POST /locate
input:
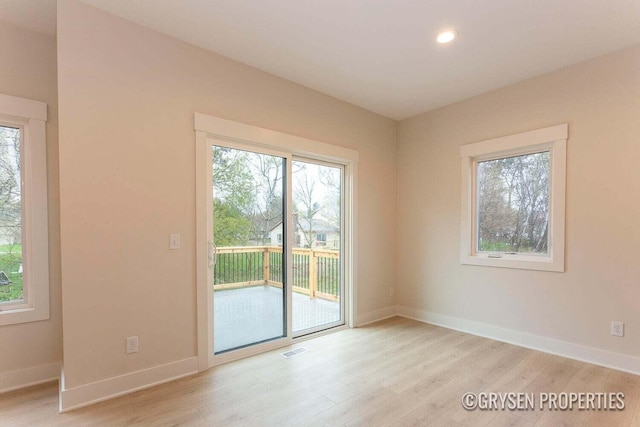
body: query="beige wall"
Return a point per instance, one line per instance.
(600, 100)
(28, 70)
(127, 97)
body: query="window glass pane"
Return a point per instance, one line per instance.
(10, 216)
(513, 204)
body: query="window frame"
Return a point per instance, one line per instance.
(30, 117)
(552, 139)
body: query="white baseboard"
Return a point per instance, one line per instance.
(374, 316)
(88, 394)
(596, 356)
(21, 378)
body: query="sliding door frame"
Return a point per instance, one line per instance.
(210, 131)
(344, 299)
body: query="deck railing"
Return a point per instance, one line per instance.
(316, 272)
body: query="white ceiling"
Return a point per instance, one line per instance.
(381, 54)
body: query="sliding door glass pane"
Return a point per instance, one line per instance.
(249, 234)
(317, 268)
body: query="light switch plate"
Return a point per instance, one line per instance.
(174, 241)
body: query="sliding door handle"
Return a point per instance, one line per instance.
(212, 254)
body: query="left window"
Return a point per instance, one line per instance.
(24, 258)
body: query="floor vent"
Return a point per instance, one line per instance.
(294, 352)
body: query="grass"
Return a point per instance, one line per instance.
(495, 247)
(507, 248)
(11, 248)
(11, 292)
(10, 261)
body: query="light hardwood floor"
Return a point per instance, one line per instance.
(396, 372)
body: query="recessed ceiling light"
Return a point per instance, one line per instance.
(446, 36)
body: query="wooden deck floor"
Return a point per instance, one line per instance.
(247, 315)
(397, 372)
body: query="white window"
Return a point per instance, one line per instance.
(24, 257)
(321, 239)
(513, 200)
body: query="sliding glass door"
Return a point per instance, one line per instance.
(249, 229)
(271, 245)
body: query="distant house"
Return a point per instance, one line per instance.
(317, 233)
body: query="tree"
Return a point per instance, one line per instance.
(10, 192)
(495, 214)
(268, 204)
(305, 207)
(233, 197)
(513, 203)
(10, 212)
(232, 178)
(330, 178)
(231, 227)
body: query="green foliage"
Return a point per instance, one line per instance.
(239, 267)
(494, 247)
(233, 181)
(12, 292)
(10, 261)
(233, 198)
(246, 185)
(231, 227)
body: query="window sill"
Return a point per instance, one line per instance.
(523, 262)
(15, 315)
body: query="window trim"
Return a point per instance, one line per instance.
(30, 116)
(552, 139)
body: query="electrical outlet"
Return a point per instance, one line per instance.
(132, 345)
(391, 292)
(617, 328)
